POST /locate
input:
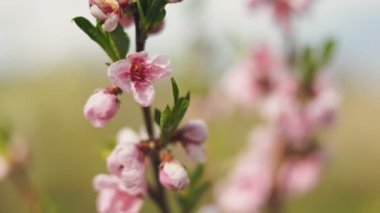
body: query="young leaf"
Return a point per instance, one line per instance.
(157, 116)
(196, 175)
(175, 90)
(95, 34)
(155, 12)
(328, 51)
(119, 41)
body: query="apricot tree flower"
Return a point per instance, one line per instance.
(127, 161)
(114, 197)
(101, 107)
(137, 73)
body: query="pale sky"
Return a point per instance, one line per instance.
(40, 32)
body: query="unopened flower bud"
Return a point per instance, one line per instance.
(192, 136)
(100, 108)
(173, 176)
(107, 11)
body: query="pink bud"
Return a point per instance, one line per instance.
(108, 11)
(173, 176)
(137, 73)
(127, 161)
(192, 136)
(114, 197)
(194, 131)
(100, 108)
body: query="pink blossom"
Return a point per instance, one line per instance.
(107, 11)
(283, 9)
(127, 162)
(299, 175)
(250, 81)
(173, 175)
(248, 186)
(192, 136)
(290, 118)
(137, 73)
(323, 106)
(4, 168)
(100, 108)
(114, 197)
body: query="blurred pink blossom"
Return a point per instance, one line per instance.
(127, 161)
(251, 80)
(323, 107)
(137, 73)
(299, 175)
(283, 9)
(299, 119)
(100, 108)
(114, 197)
(192, 137)
(248, 186)
(173, 175)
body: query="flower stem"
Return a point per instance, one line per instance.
(157, 194)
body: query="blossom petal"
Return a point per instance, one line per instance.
(127, 136)
(143, 93)
(111, 22)
(119, 74)
(98, 13)
(161, 67)
(196, 152)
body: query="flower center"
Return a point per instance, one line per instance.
(138, 71)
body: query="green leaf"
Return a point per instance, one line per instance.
(155, 13)
(196, 175)
(119, 41)
(175, 90)
(165, 118)
(115, 43)
(109, 48)
(328, 51)
(197, 194)
(95, 34)
(157, 116)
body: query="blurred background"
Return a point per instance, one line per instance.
(48, 68)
